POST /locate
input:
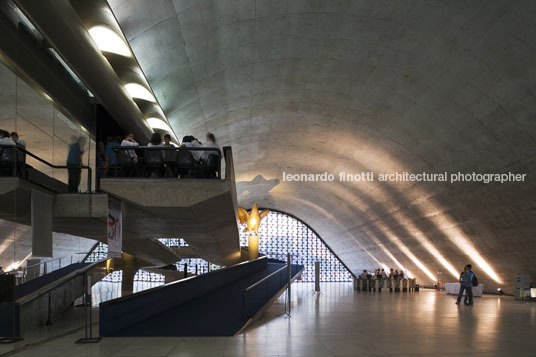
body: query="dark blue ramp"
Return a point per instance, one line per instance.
(11, 312)
(218, 311)
(37, 283)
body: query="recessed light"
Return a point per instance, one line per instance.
(138, 91)
(108, 40)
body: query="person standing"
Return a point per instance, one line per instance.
(466, 284)
(384, 274)
(111, 156)
(1, 270)
(74, 163)
(210, 143)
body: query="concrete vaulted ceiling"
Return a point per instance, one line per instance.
(352, 86)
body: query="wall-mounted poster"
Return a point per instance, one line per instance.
(115, 228)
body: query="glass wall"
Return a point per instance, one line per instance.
(280, 234)
(45, 130)
(42, 126)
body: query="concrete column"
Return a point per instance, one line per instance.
(130, 267)
(34, 269)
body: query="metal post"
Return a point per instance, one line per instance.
(88, 179)
(317, 276)
(196, 272)
(289, 277)
(49, 320)
(185, 270)
(87, 310)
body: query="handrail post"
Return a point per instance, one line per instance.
(49, 320)
(219, 165)
(289, 275)
(89, 174)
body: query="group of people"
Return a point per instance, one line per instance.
(467, 281)
(382, 274)
(11, 139)
(107, 156)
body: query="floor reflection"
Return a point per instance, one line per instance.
(335, 322)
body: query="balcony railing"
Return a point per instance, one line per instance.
(167, 162)
(13, 163)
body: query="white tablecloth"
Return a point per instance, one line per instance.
(454, 288)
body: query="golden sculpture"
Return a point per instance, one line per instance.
(253, 220)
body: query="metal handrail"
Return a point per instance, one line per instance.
(263, 279)
(62, 281)
(46, 263)
(17, 147)
(170, 148)
(246, 290)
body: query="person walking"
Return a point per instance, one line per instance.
(74, 163)
(466, 284)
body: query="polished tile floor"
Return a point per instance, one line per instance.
(341, 322)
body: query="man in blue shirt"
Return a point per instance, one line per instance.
(74, 163)
(466, 283)
(111, 155)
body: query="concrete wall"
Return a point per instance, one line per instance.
(16, 245)
(351, 86)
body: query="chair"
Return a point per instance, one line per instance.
(8, 161)
(210, 167)
(186, 164)
(153, 160)
(170, 162)
(125, 163)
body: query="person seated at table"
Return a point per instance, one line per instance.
(15, 137)
(130, 140)
(190, 141)
(156, 140)
(167, 141)
(5, 139)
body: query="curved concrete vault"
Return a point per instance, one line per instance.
(351, 86)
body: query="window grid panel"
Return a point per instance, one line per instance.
(279, 234)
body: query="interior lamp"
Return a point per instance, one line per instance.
(108, 40)
(253, 221)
